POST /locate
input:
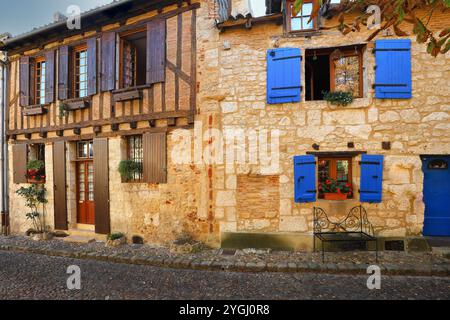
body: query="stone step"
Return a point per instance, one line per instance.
(79, 239)
(82, 233)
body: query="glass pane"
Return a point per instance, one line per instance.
(342, 167)
(296, 24)
(91, 149)
(307, 9)
(306, 25)
(347, 75)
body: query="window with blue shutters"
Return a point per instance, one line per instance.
(393, 79)
(371, 188)
(305, 179)
(283, 75)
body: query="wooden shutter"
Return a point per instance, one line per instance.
(92, 66)
(63, 73)
(24, 81)
(393, 78)
(305, 179)
(155, 158)
(50, 77)
(108, 79)
(156, 51)
(101, 186)
(59, 178)
(283, 75)
(371, 188)
(19, 163)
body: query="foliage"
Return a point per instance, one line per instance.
(339, 98)
(393, 14)
(35, 197)
(35, 165)
(36, 170)
(128, 169)
(332, 186)
(62, 109)
(115, 236)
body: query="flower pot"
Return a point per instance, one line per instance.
(335, 196)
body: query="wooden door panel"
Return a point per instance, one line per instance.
(85, 195)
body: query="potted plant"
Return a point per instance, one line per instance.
(36, 171)
(339, 98)
(35, 199)
(128, 170)
(116, 239)
(334, 190)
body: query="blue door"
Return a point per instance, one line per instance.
(436, 195)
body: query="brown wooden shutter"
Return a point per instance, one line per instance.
(156, 51)
(24, 81)
(108, 79)
(155, 158)
(59, 178)
(92, 66)
(19, 163)
(50, 76)
(63, 73)
(101, 186)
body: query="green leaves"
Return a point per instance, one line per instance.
(339, 98)
(297, 7)
(128, 169)
(447, 3)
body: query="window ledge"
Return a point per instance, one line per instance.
(77, 103)
(133, 93)
(358, 103)
(34, 110)
(303, 34)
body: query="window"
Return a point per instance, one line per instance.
(333, 69)
(338, 169)
(80, 82)
(135, 153)
(36, 163)
(85, 150)
(301, 22)
(133, 59)
(39, 76)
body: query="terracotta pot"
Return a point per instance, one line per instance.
(34, 181)
(335, 196)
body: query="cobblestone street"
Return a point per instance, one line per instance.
(30, 276)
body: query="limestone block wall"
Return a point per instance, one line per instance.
(414, 127)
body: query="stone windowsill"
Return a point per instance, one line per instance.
(358, 103)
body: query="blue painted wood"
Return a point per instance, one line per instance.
(283, 75)
(436, 196)
(305, 179)
(393, 78)
(371, 189)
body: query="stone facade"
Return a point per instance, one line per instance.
(206, 199)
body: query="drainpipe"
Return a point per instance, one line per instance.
(4, 148)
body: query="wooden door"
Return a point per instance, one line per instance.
(85, 192)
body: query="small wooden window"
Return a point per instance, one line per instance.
(85, 150)
(301, 22)
(80, 80)
(339, 169)
(39, 82)
(334, 69)
(133, 59)
(135, 152)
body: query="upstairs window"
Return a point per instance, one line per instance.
(39, 76)
(333, 69)
(80, 81)
(301, 21)
(133, 59)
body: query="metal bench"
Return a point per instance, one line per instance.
(354, 228)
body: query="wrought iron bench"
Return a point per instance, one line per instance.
(354, 228)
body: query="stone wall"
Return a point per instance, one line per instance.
(414, 127)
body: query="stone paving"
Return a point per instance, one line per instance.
(249, 260)
(32, 276)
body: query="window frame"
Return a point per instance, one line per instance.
(289, 18)
(346, 52)
(90, 147)
(134, 157)
(333, 171)
(40, 156)
(74, 71)
(122, 37)
(38, 61)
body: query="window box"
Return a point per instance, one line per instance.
(34, 110)
(77, 104)
(335, 196)
(128, 95)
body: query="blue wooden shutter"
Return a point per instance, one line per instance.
(305, 179)
(283, 75)
(371, 188)
(393, 69)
